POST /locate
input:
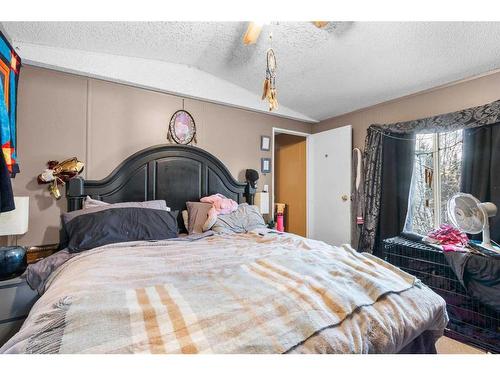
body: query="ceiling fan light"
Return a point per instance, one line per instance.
(252, 33)
(320, 24)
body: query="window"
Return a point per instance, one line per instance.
(436, 178)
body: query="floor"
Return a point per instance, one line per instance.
(445, 345)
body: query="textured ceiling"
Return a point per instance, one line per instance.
(321, 72)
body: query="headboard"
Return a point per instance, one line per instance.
(175, 173)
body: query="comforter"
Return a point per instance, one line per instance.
(255, 292)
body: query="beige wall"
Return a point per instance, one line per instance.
(62, 115)
(451, 98)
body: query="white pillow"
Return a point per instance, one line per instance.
(89, 202)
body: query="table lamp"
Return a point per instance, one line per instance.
(13, 223)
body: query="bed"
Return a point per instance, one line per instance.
(252, 292)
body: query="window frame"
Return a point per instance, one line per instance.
(436, 180)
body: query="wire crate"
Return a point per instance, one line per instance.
(471, 321)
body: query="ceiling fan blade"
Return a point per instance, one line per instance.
(320, 24)
(252, 33)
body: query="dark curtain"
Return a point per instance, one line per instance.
(398, 155)
(6, 196)
(372, 186)
(481, 169)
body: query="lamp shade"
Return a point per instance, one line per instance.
(15, 222)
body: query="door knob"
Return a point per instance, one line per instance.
(345, 197)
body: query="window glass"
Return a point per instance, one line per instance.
(436, 178)
(450, 154)
(422, 198)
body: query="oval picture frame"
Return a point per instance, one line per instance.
(182, 128)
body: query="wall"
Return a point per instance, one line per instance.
(450, 98)
(62, 115)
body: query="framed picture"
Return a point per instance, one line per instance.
(182, 129)
(265, 143)
(265, 165)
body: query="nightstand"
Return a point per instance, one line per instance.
(16, 300)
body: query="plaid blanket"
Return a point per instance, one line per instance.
(245, 293)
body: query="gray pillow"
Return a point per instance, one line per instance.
(155, 205)
(68, 216)
(122, 224)
(197, 215)
(244, 219)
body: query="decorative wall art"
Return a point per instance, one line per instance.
(265, 165)
(59, 173)
(265, 143)
(10, 65)
(182, 128)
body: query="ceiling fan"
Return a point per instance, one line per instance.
(254, 28)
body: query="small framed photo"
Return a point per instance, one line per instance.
(265, 165)
(265, 143)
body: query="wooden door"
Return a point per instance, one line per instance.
(290, 159)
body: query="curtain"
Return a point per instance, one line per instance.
(372, 187)
(398, 155)
(488, 114)
(481, 169)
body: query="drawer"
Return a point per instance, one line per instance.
(16, 301)
(9, 329)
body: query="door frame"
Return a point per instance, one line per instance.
(273, 183)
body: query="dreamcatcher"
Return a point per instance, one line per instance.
(182, 128)
(269, 91)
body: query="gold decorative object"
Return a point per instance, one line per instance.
(269, 92)
(59, 173)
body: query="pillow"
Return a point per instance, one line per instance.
(197, 216)
(124, 224)
(88, 202)
(244, 219)
(68, 216)
(155, 205)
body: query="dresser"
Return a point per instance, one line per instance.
(16, 300)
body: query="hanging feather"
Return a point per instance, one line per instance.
(269, 91)
(265, 89)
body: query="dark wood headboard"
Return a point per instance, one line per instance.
(175, 173)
